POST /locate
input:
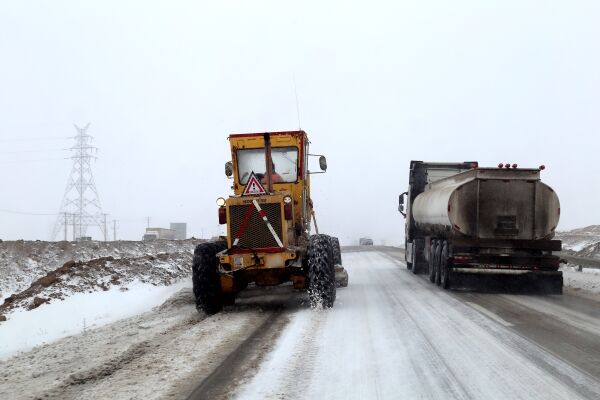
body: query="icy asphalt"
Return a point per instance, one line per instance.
(391, 335)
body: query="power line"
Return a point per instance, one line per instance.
(25, 213)
(32, 161)
(33, 138)
(30, 151)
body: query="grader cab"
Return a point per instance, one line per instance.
(268, 219)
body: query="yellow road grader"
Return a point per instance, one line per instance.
(268, 220)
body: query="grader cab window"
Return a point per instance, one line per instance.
(285, 162)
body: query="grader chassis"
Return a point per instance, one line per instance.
(268, 220)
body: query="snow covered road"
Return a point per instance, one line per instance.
(394, 335)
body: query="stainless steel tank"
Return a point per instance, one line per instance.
(489, 203)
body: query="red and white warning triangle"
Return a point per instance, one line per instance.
(253, 187)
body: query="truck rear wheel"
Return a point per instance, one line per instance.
(321, 272)
(409, 264)
(205, 277)
(444, 270)
(432, 248)
(438, 262)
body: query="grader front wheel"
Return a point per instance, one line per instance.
(205, 277)
(321, 272)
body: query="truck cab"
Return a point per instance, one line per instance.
(420, 175)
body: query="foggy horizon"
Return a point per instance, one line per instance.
(378, 85)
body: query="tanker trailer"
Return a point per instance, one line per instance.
(462, 219)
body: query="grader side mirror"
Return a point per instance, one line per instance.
(323, 163)
(229, 169)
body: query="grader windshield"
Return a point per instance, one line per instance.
(285, 163)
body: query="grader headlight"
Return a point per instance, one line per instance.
(220, 202)
(287, 200)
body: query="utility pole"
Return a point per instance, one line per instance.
(81, 199)
(105, 232)
(114, 230)
(65, 226)
(73, 221)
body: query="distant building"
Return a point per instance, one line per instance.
(159, 233)
(180, 229)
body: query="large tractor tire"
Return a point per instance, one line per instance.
(321, 272)
(341, 275)
(337, 251)
(205, 278)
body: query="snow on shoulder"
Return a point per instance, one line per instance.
(79, 313)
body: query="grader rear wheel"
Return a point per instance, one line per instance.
(337, 251)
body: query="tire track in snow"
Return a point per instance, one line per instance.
(516, 356)
(393, 335)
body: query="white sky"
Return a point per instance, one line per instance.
(379, 84)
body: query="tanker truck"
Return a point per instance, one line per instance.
(463, 219)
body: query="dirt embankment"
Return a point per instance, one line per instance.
(23, 262)
(129, 261)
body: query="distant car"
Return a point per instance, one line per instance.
(365, 242)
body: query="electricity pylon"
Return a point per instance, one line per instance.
(80, 207)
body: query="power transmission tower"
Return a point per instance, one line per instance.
(81, 202)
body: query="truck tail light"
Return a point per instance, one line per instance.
(287, 211)
(461, 259)
(222, 215)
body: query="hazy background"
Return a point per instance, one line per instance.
(379, 84)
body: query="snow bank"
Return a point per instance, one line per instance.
(585, 283)
(78, 313)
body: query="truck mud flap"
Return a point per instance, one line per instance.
(507, 281)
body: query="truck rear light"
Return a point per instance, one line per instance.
(542, 167)
(287, 211)
(514, 165)
(500, 165)
(474, 165)
(507, 165)
(222, 215)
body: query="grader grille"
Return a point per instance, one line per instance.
(256, 235)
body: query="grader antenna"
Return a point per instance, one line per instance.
(269, 161)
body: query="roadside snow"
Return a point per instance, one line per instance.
(78, 313)
(159, 354)
(585, 283)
